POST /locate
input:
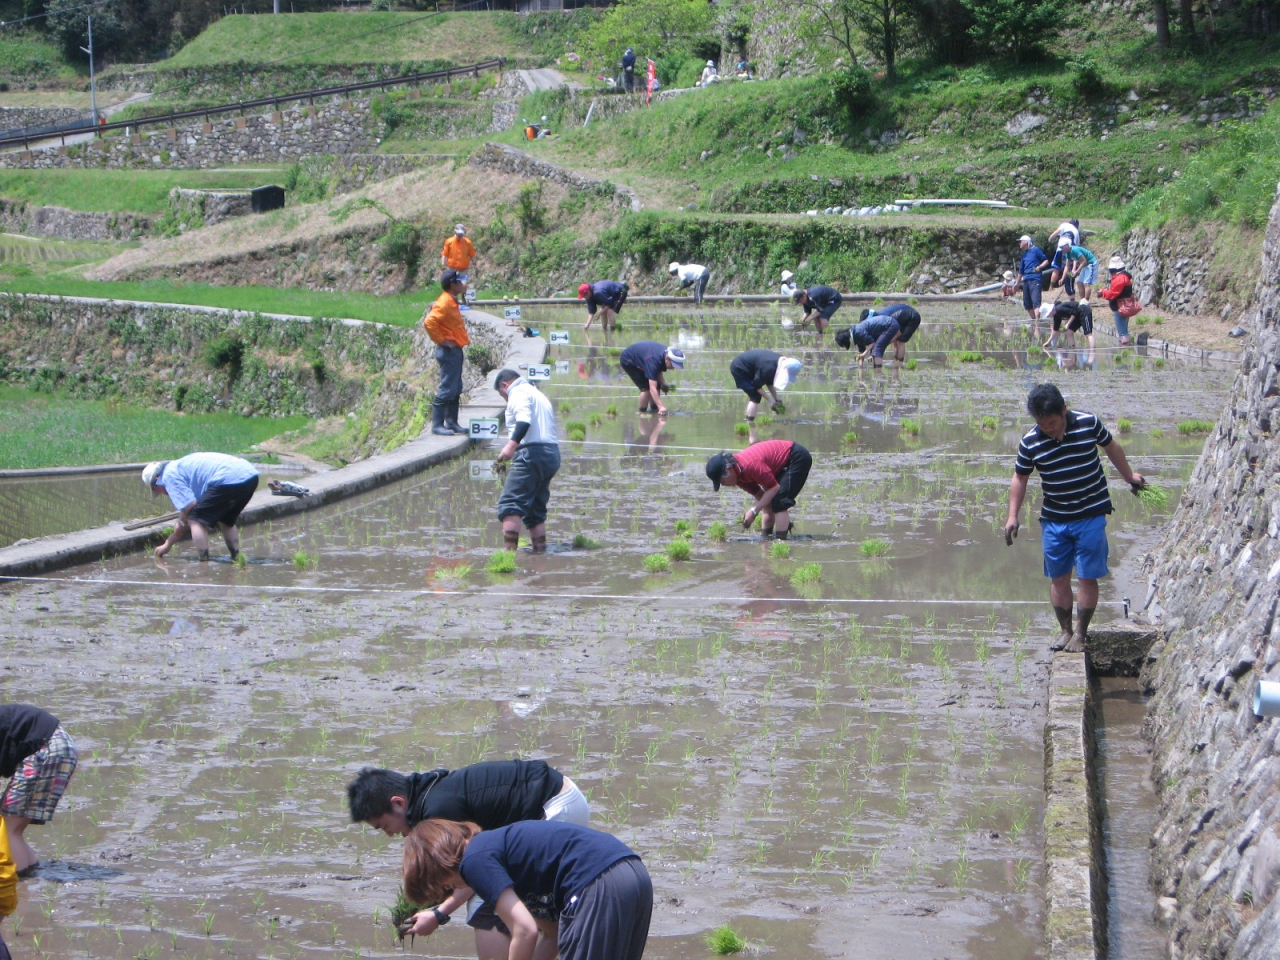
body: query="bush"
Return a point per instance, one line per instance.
(402, 243)
(228, 351)
(1086, 78)
(854, 92)
(482, 358)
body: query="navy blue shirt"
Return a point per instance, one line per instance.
(606, 293)
(825, 300)
(628, 61)
(546, 862)
(901, 312)
(756, 367)
(646, 355)
(1075, 488)
(1030, 260)
(871, 330)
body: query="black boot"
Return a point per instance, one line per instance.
(437, 420)
(451, 418)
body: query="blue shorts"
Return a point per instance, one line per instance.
(1089, 273)
(1079, 544)
(1031, 292)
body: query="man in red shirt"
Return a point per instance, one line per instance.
(772, 471)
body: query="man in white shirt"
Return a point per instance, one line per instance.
(534, 451)
(691, 275)
(1069, 229)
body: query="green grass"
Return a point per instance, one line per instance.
(404, 310)
(23, 252)
(119, 191)
(343, 39)
(910, 427)
(724, 940)
(502, 561)
(1124, 425)
(684, 528)
(718, 531)
(28, 55)
(305, 561)
(874, 547)
(582, 542)
(850, 439)
(1153, 497)
(679, 549)
(43, 430)
(781, 550)
(1191, 428)
(807, 573)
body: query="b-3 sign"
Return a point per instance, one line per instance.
(539, 371)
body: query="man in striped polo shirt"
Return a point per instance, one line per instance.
(1063, 446)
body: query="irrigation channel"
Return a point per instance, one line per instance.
(839, 762)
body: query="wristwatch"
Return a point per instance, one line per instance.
(441, 917)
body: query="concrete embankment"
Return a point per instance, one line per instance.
(86, 546)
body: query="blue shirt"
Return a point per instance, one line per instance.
(825, 300)
(1032, 257)
(646, 355)
(1080, 253)
(606, 293)
(1075, 488)
(189, 479)
(546, 862)
(877, 327)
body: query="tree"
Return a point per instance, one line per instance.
(667, 28)
(1016, 28)
(881, 23)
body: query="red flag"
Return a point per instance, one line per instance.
(653, 78)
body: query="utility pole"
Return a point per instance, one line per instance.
(93, 83)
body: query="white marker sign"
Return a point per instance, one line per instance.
(513, 313)
(562, 366)
(481, 470)
(471, 296)
(483, 428)
(539, 371)
(560, 336)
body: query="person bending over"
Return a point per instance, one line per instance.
(772, 471)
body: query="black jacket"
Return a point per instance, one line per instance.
(24, 729)
(494, 794)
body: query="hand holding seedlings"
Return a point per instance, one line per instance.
(501, 466)
(1010, 532)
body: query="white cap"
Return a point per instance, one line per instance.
(673, 267)
(787, 275)
(1046, 311)
(459, 229)
(1024, 239)
(1084, 303)
(788, 370)
(1064, 242)
(152, 471)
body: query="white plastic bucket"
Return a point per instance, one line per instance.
(1266, 699)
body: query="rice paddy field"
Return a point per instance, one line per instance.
(832, 745)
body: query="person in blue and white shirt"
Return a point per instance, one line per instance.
(533, 448)
(207, 490)
(1063, 446)
(691, 275)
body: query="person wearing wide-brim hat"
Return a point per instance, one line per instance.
(208, 490)
(646, 363)
(757, 370)
(1121, 286)
(788, 287)
(772, 471)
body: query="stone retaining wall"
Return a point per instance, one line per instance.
(207, 207)
(508, 159)
(1194, 272)
(18, 118)
(335, 126)
(1216, 850)
(63, 224)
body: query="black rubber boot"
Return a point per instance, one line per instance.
(451, 418)
(437, 420)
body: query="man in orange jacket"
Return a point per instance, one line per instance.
(458, 251)
(443, 323)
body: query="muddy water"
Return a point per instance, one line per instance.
(845, 767)
(1130, 815)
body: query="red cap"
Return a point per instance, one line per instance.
(584, 290)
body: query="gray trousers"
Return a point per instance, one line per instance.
(450, 361)
(609, 918)
(527, 489)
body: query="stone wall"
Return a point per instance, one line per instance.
(508, 159)
(63, 224)
(19, 118)
(204, 208)
(1195, 272)
(1216, 851)
(333, 125)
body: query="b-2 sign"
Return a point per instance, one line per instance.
(483, 428)
(512, 313)
(539, 371)
(560, 336)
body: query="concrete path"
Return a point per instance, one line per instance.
(545, 78)
(87, 546)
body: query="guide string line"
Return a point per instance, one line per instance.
(530, 595)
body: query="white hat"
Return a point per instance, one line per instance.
(1064, 242)
(1009, 277)
(1115, 263)
(1084, 303)
(152, 472)
(1046, 311)
(459, 229)
(1024, 239)
(788, 370)
(673, 267)
(676, 357)
(787, 275)
(711, 63)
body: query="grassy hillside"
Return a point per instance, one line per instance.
(368, 37)
(28, 57)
